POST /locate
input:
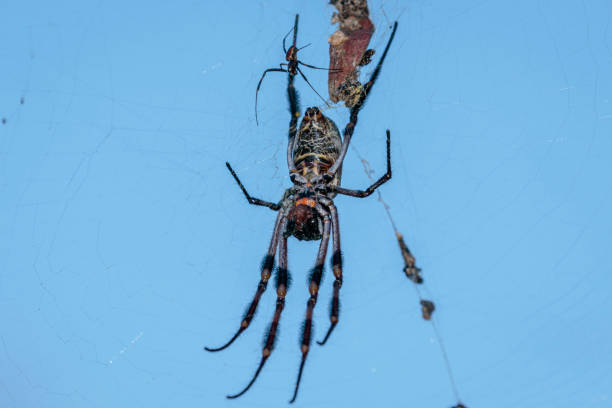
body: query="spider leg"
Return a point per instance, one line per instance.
(313, 67)
(385, 177)
(281, 292)
(336, 262)
(309, 84)
(259, 85)
(313, 288)
(294, 29)
(294, 111)
(350, 127)
(252, 200)
(266, 270)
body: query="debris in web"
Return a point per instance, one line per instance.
(427, 308)
(348, 50)
(414, 274)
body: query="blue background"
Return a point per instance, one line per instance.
(125, 246)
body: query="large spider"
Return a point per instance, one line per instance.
(315, 154)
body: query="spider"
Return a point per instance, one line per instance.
(315, 154)
(292, 65)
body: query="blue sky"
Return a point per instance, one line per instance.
(125, 245)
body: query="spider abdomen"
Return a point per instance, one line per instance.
(317, 145)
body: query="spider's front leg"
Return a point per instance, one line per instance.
(266, 270)
(313, 288)
(282, 284)
(336, 261)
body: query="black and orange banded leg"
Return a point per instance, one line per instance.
(266, 270)
(336, 262)
(313, 288)
(281, 292)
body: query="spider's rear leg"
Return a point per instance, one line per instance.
(313, 288)
(266, 270)
(282, 284)
(336, 262)
(350, 127)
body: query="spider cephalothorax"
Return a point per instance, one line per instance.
(315, 154)
(303, 222)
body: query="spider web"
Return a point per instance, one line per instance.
(125, 245)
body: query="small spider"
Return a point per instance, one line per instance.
(315, 154)
(292, 65)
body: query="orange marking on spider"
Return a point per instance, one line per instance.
(306, 201)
